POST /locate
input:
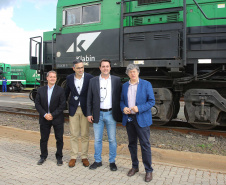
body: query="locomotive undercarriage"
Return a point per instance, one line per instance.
(16, 86)
(203, 108)
(203, 95)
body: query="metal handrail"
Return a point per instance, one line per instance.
(205, 14)
(53, 62)
(40, 49)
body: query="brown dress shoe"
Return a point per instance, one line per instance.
(85, 162)
(148, 177)
(132, 172)
(72, 163)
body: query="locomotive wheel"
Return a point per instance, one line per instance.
(222, 118)
(196, 125)
(170, 114)
(33, 94)
(203, 126)
(176, 101)
(63, 84)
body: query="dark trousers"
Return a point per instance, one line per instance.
(4, 88)
(45, 131)
(134, 131)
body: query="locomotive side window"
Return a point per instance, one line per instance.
(81, 15)
(73, 16)
(91, 14)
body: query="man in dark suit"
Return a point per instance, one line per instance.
(77, 87)
(50, 103)
(137, 98)
(103, 108)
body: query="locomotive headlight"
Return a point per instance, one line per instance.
(154, 111)
(204, 61)
(58, 54)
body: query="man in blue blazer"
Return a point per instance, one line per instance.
(137, 98)
(50, 103)
(77, 87)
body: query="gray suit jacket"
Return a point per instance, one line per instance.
(93, 98)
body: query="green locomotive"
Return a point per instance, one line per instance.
(180, 46)
(18, 76)
(30, 75)
(15, 80)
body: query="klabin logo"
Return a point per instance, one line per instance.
(86, 58)
(83, 42)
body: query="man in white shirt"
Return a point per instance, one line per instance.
(103, 108)
(77, 86)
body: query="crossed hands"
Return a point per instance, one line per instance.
(49, 117)
(127, 110)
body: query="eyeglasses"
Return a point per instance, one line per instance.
(103, 93)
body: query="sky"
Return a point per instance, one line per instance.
(20, 20)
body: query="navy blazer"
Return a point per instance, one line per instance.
(56, 107)
(93, 98)
(82, 98)
(145, 100)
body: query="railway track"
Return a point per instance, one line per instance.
(177, 126)
(24, 111)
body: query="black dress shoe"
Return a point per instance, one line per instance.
(148, 177)
(41, 161)
(59, 162)
(113, 167)
(95, 165)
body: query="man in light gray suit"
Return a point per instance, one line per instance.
(103, 108)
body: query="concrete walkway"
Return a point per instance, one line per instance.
(19, 156)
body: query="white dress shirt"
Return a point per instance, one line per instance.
(78, 84)
(105, 93)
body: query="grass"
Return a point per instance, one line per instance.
(205, 146)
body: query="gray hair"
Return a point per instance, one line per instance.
(131, 67)
(51, 72)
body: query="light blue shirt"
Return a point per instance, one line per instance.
(50, 91)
